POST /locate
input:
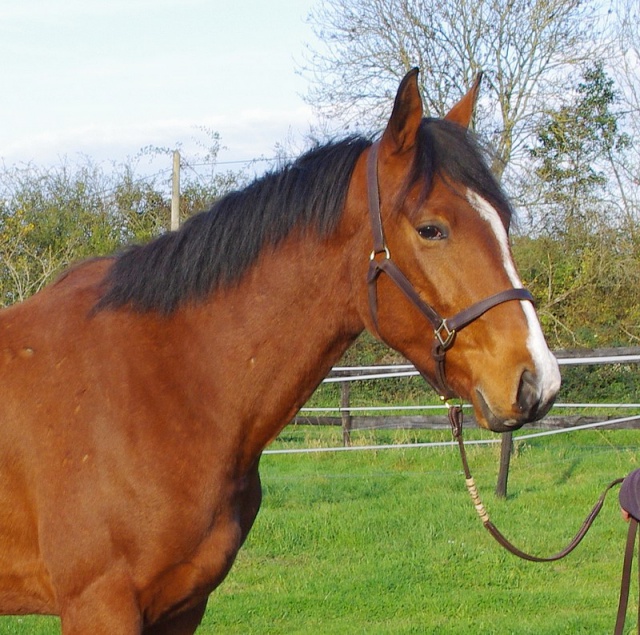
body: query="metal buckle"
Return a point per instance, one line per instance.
(447, 340)
(384, 250)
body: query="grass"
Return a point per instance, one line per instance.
(387, 542)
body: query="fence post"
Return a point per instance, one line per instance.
(346, 413)
(506, 446)
(175, 192)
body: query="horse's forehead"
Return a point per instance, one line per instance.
(446, 196)
(488, 214)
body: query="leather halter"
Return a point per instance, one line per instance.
(444, 329)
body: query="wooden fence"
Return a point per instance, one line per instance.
(350, 421)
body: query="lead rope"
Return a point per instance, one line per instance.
(625, 582)
(455, 419)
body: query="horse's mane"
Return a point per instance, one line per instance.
(215, 248)
(455, 153)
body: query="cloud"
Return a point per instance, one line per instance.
(250, 134)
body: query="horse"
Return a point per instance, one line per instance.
(139, 390)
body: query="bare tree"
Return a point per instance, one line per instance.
(625, 68)
(526, 48)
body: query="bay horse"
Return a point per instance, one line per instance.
(138, 391)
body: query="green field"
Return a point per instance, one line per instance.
(387, 541)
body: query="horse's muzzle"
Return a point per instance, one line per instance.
(530, 405)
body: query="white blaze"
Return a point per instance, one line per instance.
(546, 365)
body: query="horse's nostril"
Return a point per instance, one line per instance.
(528, 398)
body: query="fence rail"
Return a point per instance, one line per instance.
(353, 418)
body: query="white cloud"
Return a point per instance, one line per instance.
(251, 134)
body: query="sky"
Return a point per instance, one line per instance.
(105, 78)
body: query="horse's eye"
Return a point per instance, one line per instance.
(432, 232)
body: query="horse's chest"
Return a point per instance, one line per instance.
(210, 556)
(191, 579)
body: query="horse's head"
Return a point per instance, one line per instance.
(441, 250)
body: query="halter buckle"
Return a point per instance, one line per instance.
(444, 334)
(384, 250)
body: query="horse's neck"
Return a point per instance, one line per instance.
(277, 334)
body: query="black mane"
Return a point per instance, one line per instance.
(452, 151)
(215, 248)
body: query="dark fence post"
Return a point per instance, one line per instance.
(505, 457)
(346, 413)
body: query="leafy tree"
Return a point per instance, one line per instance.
(574, 148)
(48, 219)
(579, 257)
(141, 211)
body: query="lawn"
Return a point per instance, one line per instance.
(387, 541)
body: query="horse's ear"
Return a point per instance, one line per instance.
(462, 112)
(401, 131)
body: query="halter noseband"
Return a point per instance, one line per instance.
(444, 329)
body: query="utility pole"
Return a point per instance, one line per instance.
(175, 192)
